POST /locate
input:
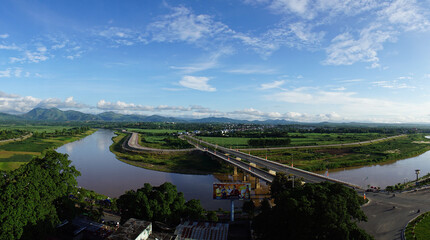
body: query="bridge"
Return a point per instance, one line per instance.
(249, 162)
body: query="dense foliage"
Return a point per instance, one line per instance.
(10, 134)
(63, 132)
(28, 195)
(312, 211)
(161, 203)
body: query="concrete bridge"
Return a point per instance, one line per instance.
(249, 161)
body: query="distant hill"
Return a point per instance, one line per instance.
(4, 117)
(55, 114)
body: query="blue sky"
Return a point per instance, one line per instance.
(299, 60)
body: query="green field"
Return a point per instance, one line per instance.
(194, 162)
(419, 228)
(167, 131)
(160, 142)
(34, 128)
(14, 154)
(314, 159)
(300, 139)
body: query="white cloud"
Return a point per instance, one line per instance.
(135, 108)
(9, 47)
(183, 25)
(346, 50)
(11, 103)
(121, 36)
(5, 35)
(299, 7)
(197, 83)
(351, 106)
(207, 63)
(252, 70)
(5, 73)
(18, 72)
(339, 89)
(9, 72)
(102, 104)
(58, 103)
(398, 83)
(407, 14)
(275, 84)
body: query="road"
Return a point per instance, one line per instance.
(17, 139)
(133, 143)
(386, 223)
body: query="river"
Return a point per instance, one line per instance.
(385, 174)
(102, 172)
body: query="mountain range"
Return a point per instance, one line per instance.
(57, 115)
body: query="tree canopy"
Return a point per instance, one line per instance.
(312, 211)
(28, 194)
(161, 203)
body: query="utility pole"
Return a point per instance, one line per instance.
(417, 172)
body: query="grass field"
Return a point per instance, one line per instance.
(167, 131)
(14, 154)
(181, 162)
(314, 159)
(160, 143)
(300, 139)
(419, 228)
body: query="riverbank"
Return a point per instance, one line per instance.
(194, 162)
(14, 154)
(318, 159)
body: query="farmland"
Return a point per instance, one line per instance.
(14, 154)
(300, 139)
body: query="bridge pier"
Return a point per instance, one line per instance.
(235, 171)
(257, 183)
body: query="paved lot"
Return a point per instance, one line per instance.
(386, 222)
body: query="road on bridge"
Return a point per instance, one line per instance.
(277, 167)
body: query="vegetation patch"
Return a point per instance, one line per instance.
(194, 162)
(419, 228)
(18, 158)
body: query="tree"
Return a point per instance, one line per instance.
(249, 208)
(161, 203)
(313, 211)
(28, 195)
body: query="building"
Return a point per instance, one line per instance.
(201, 230)
(133, 229)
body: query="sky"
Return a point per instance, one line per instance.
(298, 60)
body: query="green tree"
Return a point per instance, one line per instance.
(313, 211)
(28, 195)
(161, 203)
